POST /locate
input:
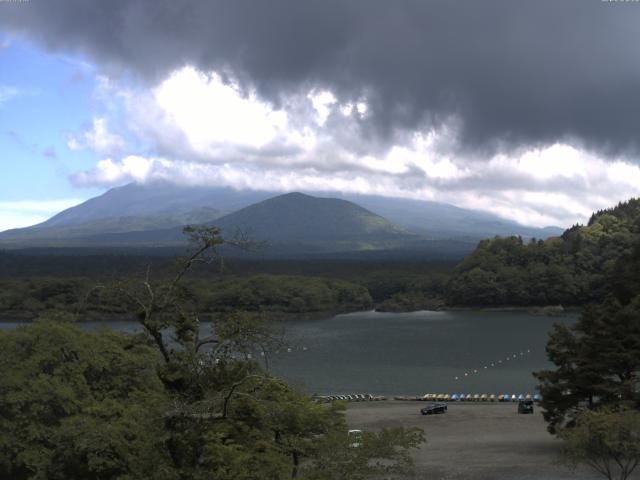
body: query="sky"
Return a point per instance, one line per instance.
(527, 109)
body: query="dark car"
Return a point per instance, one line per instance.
(525, 406)
(434, 408)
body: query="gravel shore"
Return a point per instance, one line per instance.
(479, 441)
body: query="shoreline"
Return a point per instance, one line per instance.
(16, 316)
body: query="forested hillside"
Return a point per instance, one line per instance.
(577, 268)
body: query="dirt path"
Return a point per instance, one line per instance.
(485, 441)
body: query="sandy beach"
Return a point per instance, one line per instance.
(479, 441)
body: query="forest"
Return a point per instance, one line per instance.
(571, 270)
(96, 403)
(35, 282)
(107, 405)
(574, 269)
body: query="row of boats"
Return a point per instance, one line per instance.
(356, 397)
(467, 397)
(435, 397)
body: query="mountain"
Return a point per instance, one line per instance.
(156, 200)
(442, 220)
(153, 215)
(299, 218)
(135, 208)
(292, 223)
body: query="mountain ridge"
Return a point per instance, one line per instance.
(154, 214)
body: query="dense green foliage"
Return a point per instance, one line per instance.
(592, 399)
(75, 404)
(278, 286)
(271, 293)
(281, 293)
(573, 269)
(608, 441)
(171, 403)
(598, 357)
(598, 361)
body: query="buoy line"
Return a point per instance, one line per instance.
(494, 364)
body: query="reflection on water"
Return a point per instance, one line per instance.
(408, 353)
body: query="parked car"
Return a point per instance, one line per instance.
(525, 406)
(434, 408)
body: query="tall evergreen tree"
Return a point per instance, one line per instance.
(598, 362)
(597, 358)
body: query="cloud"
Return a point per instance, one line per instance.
(299, 147)
(99, 139)
(17, 214)
(202, 129)
(526, 109)
(514, 73)
(322, 102)
(50, 152)
(7, 93)
(108, 172)
(210, 112)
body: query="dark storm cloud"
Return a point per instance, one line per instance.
(515, 73)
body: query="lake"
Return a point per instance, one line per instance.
(409, 353)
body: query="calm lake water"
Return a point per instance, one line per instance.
(409, 353)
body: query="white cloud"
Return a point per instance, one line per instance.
(199, 129)
(7, 93)
(211, 113)
(98, 139)
(19, 214)
(322, 103)
(108, 172)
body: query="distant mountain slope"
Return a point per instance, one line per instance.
(105, 226)
(156, 200)
(153, 213)
(135, 208)
(441, 220)
(296, 217)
